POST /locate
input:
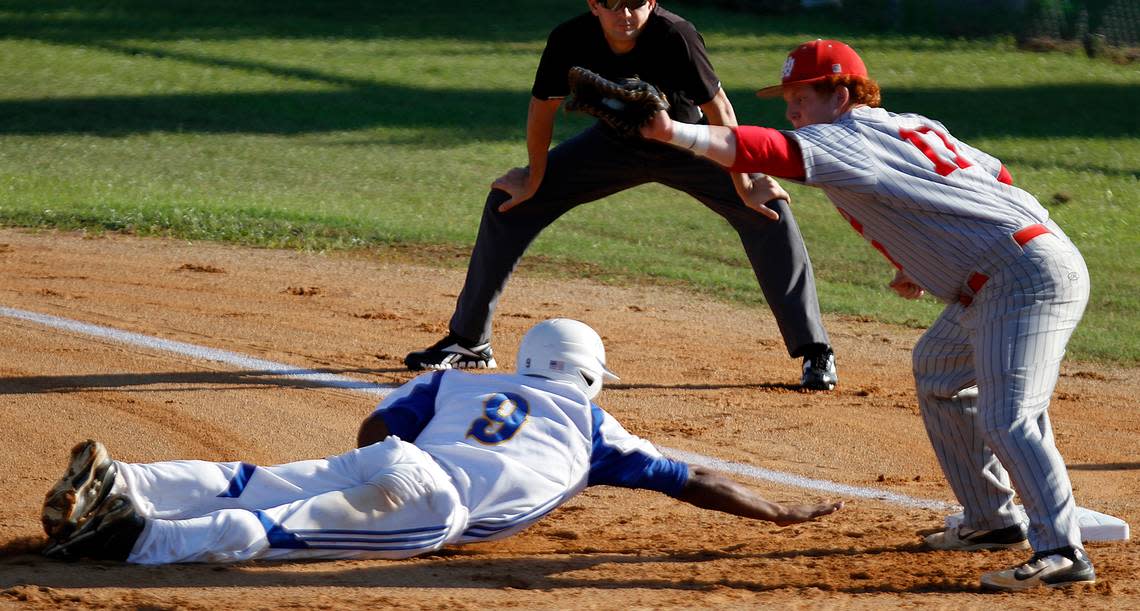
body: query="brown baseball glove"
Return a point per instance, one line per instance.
(625, 105)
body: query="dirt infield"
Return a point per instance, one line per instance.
(697, 375)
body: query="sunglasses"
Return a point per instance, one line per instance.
(616, 5)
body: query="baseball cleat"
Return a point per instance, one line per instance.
(88, 480)
(109, 533)
(1054, 568)
(452, 352)
(819, 371)
(968, 540)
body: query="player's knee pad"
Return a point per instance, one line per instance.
(405, 483)
(363, 464)
(237, 535)
(396, 489)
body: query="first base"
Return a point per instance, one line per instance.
(1095, 526)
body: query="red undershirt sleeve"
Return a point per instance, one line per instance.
(763, 149)
(1004, 176)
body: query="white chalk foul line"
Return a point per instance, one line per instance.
(779, 477)
(336, 381)
(199, 352)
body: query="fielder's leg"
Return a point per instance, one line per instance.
(943, 361)
(1027, 312)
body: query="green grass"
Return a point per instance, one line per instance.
(366, 125)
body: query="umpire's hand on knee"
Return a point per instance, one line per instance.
(757, 190)
(516, 183)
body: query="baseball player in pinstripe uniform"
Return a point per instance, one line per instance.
(947, 216)
(448, 458)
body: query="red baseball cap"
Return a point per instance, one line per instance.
(814, 61)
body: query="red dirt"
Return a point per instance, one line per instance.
(697, 375)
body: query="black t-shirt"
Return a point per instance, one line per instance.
(669, 53)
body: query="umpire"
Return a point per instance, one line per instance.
(620, 39)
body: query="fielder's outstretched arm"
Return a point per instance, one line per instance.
(716, 142)
(745, 149)
(708, 489)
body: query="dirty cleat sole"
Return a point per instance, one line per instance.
(87, 481)
(110, 532)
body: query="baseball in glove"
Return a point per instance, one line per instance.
(624, 106)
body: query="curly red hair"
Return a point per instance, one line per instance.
(863, 90)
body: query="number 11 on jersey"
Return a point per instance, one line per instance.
(946, 160)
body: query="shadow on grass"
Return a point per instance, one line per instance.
(118, 26)
(1038, 111)
(465, 115)
(483, 114)
(488, 20)
(82, 21)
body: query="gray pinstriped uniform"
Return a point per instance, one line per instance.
(933, 206)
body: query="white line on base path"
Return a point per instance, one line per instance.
(240, 361)
(381, 390)
(779, 477)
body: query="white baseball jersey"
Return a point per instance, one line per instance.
(1016, 288)
(491, 454)
(517, 446)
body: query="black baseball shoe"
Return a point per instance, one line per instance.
(86, 483)
(110, 533)
(1054, 568)
(819, 370)
(968, 539)
(452, 352)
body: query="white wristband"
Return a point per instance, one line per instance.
(693, 137)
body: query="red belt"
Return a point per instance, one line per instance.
(977, 280)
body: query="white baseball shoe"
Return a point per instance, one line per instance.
(88, 480)
(1053, 568)
(968, 540)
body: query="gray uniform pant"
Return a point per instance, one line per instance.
(597, 163)
(1009, 343)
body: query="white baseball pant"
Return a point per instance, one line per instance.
(387, 500)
